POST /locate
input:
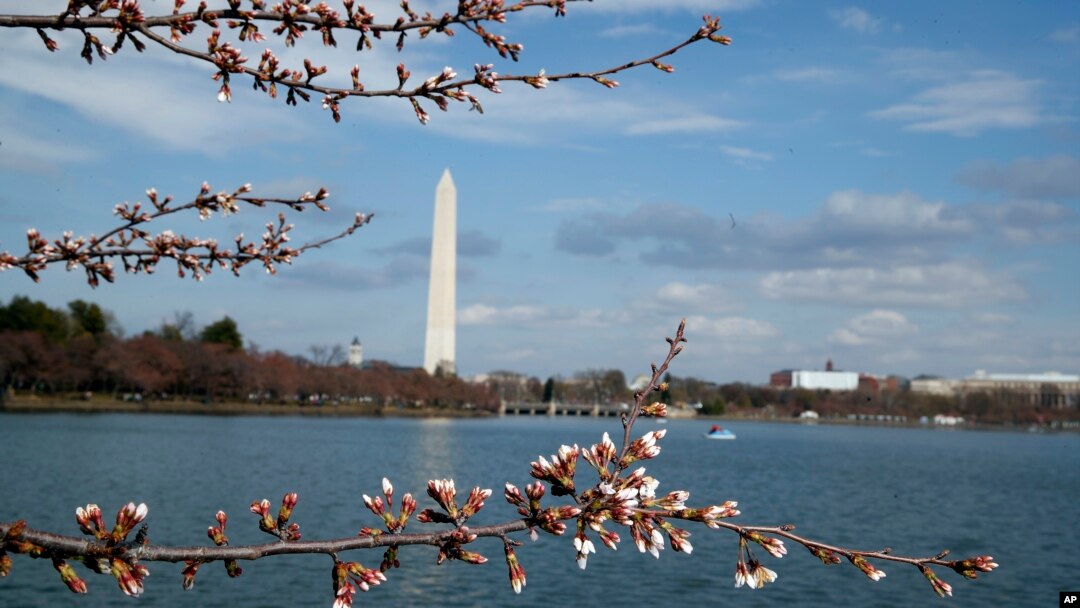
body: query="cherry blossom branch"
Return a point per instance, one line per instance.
(629, 500)
(292, 18)
(140, 251)
(656, 408)
(69, 546)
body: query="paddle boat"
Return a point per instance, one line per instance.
(717, 432)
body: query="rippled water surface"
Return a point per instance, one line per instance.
(1013, 495)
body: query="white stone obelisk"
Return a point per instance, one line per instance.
(439, 345)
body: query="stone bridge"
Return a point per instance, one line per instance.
(554, 408)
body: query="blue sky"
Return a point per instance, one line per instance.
(904, 180)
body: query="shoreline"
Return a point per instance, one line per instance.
(1073, 427)
(35, 406)
(40, 406)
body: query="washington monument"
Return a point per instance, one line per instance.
(439, 345)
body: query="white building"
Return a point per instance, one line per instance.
(830, 380)
(356, 353)
(934, 386)
(1048, 389)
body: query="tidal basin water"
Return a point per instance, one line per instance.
(1012, 495)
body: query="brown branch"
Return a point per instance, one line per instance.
(674, 348)
(882, 554)
(71, 546)
(292, 22)
(69, 21)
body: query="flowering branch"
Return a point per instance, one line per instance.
(628, 500)
(140, 250)
(290, 19)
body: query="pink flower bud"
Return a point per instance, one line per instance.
(68, 576)
(515, 570)
(288, 503)
(190, 568)
(471, 557)
(128, 576)
(939, 586)
(374, 504)
(867, 568)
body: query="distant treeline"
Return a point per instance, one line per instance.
(745, 399)
(740, 399)
(81, 349)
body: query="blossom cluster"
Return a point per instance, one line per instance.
(129, 574)
(385, 510)
(444, 493)
(140, 251)
(350, 576)
(279, 527)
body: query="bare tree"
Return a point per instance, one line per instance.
(324, 356)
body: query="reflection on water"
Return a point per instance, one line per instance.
(1010, 494)
(433, 452)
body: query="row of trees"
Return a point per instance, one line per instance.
(607, 386)
(46, 350)
(984, 407)
(81, 348)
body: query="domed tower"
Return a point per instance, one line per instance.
(356, 353)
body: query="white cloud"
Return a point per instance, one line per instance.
(984, 99)
(876, 152)
(966, 339)
(872, 327)
(638, 29)
(23, 151)
(483, 314)
(994, 318)
(562, 114)
(531, 315)
(847, 337)
(857, 19)
(808, 74)
(683, 124)
(309, 273)
(916, 63)
(574, 205)
(639, 6)
(883, 323)
(148, 96)
(1028, 222)
(904, 212)
(745, 154)
(692, 298)
(949, 284)
(1051, 177)
(1067, 34)
(731, 327)
(851, 228)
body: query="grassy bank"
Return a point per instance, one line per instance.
(42, 405)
